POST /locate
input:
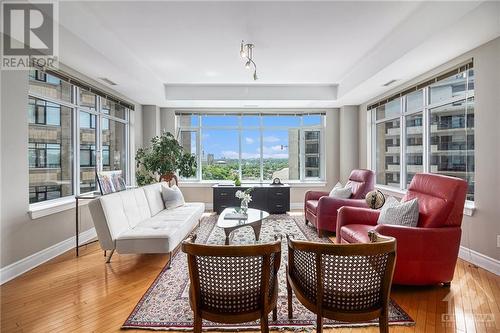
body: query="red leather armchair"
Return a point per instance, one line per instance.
(426, 254)
(321, 210)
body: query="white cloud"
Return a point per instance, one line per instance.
(231, 154)
(249, 140)
(271, 139)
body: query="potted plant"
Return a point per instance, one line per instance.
(162, 160)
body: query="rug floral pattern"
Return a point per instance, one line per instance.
(165, 306)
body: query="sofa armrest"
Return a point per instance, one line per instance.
(315, 195)
(329, 206)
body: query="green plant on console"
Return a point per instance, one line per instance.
(162, 160)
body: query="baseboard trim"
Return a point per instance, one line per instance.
(17, 268)
(479, 259)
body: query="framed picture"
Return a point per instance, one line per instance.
(110, 181)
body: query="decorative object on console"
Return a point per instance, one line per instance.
(162, 159)
(340, 191)
(321, 209)
(375, 199)
(276, 181)
(172, 196)
(165, 305)
(399, 213)
(427, 254)
(110, 181)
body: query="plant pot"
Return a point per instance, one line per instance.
(168, 177)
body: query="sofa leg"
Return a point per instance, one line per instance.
(307, 222)
(108, 258)
(320, 233)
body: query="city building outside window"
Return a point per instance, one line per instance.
(254, 147)
(428, 130)
(55, 108)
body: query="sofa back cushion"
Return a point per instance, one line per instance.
(441, 199)
(154, 198)
(123, 210)
(361, 181)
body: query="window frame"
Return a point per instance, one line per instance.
(76, 108)
(261, 128)
(425, 109)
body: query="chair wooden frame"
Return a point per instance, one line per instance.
(379, 245)
(266, 303)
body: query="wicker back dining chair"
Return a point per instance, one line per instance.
(233, 283)
(345, 282)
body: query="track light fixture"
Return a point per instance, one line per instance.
(246, 52)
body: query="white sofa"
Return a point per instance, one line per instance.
(136, 221)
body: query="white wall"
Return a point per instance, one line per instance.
(20, 235)
(480, 231)
(349, 141)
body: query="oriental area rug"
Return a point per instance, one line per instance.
(165, 305)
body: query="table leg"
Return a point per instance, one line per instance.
(256, 231)
(228, 233)
(76, 227)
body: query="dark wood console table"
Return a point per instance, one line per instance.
(274, 199)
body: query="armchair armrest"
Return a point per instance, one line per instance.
(435, 237)
(355, 215)
(315, 195)
(329, 206)
(424, 250)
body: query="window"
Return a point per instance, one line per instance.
(435, 124)
(55, 108)
(254, 147)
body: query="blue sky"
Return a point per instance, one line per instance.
(225, 143)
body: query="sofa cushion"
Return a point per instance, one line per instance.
(135, 206)
(312, 205)
(154, 198)
(355, 233)
(172, 196)
(163, 232)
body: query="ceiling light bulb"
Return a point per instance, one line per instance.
(255, 78)
(243, 54)
(247, 65)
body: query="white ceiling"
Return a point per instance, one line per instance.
(153, 48)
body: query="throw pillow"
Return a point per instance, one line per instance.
(172, 196)
(340, 191)
(399, 213)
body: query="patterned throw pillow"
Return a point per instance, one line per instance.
(341, 192)
(399, 213)
(172, 196)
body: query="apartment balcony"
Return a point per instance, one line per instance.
(392, 150)
(393, 131)
(392, 168)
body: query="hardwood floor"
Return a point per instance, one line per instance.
(84, 294)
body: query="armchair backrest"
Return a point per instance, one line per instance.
(441, 199)
(347, 278)
(362, 182)
(231, 280)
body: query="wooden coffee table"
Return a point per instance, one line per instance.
(253, 219)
